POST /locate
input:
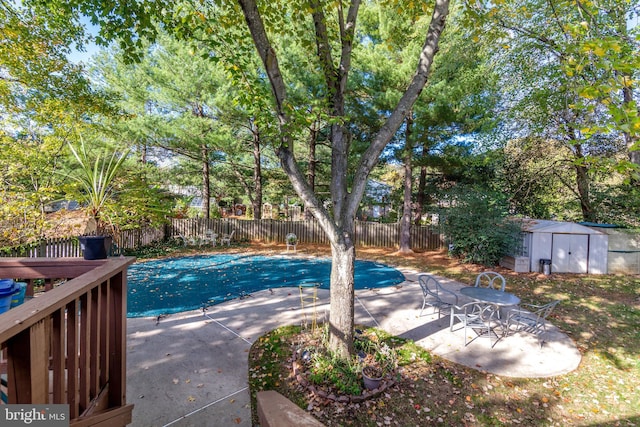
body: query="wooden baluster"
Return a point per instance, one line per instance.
(95, 320)
(58, 358)
(85, 356)
(72, 358)
(28, 365)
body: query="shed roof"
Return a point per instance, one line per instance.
(549, 226)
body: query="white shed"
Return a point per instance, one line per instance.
(571, 247)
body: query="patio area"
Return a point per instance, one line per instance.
(190, 369)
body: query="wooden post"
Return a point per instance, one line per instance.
(118, 341)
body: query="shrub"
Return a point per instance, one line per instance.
(479, 229)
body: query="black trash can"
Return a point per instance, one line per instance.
(545, 266)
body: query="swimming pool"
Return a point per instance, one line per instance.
(187, 283)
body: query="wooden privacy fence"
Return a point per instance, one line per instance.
(368, 234)
(64, 247)
(69, 247)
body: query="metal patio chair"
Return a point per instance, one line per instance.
(226, 238)
(531, 318)
(481, 318)
(491, 279)
(187, 240)
(433, 293)
(292, 241)
(209, 238)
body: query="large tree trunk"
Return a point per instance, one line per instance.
(583, 186)
(252, 187)
(257, 177)
(422, 187)
(582, 181)
(405, 222)
(341, 314)
(206, 187)
(198, 111)
(143, 153)
(311, 171)
(631, 140)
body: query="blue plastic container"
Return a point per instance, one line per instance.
(18, 297)
(7, 289)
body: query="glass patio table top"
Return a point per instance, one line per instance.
(490, 295)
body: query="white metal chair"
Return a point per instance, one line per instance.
(482, 318)
(432, 292)
(292, 241)
(491, 279)
(226, 238)
(209, 237)
(531, 318)
(187, 240)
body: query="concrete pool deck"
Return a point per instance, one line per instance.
(191, 368)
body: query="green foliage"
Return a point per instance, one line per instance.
(343, 374)
(375, 351)
(534, 173)
(192, 116)
(42, 98)
(26, 165)
(569, 73)
(158, 249)
(618, 204)
(38, 80)
(408, 352)
(139, 203)
(96, 175)
(476, 223)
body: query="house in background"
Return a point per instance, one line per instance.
(375, 204)
(567, 247)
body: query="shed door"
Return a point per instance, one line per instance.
(570, 253)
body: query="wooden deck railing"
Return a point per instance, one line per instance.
(68, 345)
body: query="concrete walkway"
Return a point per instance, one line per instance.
(190, 369)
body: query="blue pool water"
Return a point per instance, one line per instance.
(179, 284)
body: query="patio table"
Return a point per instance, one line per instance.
(490, 295)
(504, 300)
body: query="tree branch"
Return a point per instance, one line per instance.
(323, 47)
(267, 55)
(285, 151)
(542, 39)
(393, 122)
